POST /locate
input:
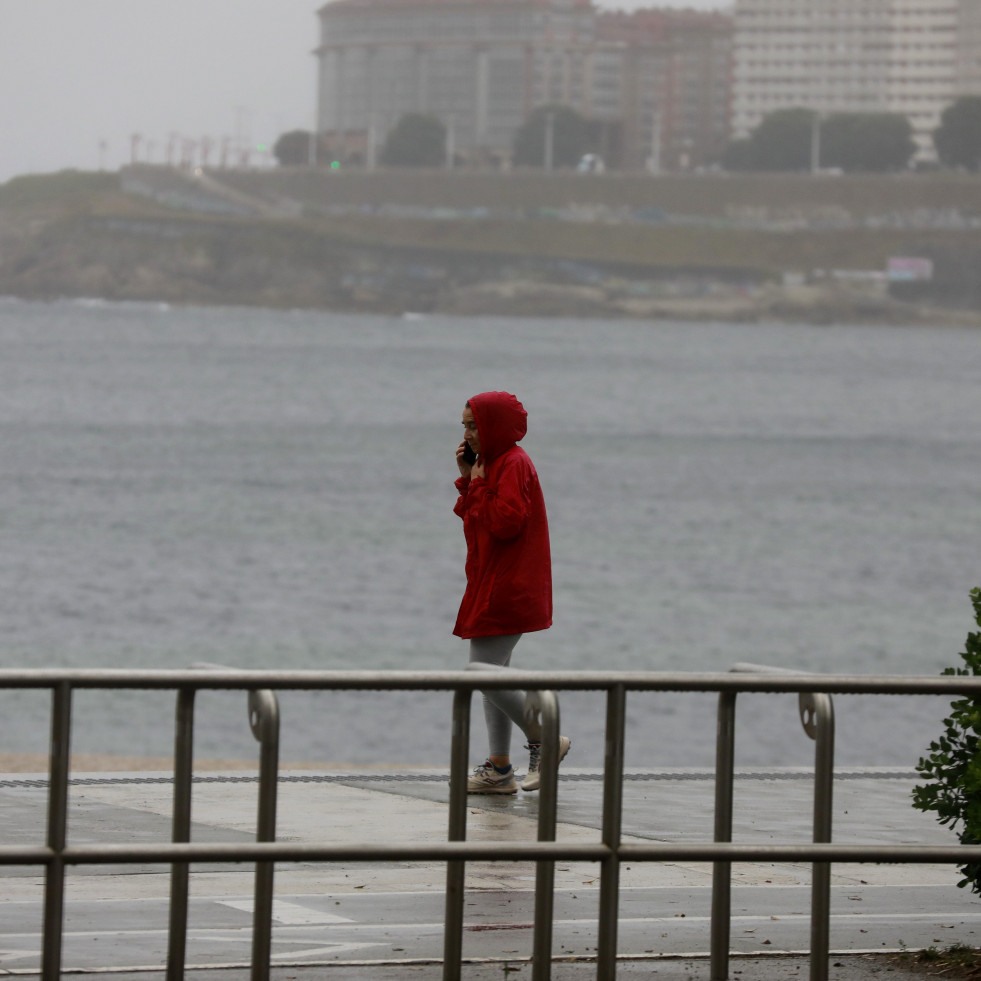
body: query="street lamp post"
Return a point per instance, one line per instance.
(655, 164)
(371, 148)
(816, 143)
(549, 140)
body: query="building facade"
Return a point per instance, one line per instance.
(673, 68)
(479, 67)
(653, 86)
(912, 57)
(969, 49)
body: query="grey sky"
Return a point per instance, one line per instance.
(75, 73)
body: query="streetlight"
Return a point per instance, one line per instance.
(549, 139)
(816, 142)
(371, 154)
(655, 162)
(450, 143)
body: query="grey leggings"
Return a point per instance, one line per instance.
(501, 708)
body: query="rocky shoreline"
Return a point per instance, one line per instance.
(820, 305)
(200, 263)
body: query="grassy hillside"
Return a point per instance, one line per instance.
(331, 239)
(809, 242)
(61, 191)
(664, 246)
(771, 223)
(708, 195)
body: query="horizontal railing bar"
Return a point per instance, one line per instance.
(474, 681)
(491, 851)
(25, 855)
(809, 853)
(284, 851)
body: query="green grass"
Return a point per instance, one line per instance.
(77, 194)
(38, 190)
(661, 246)
(710, 195)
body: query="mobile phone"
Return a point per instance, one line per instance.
(468, 454)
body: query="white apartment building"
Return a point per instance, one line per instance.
(969, 48)
(905, 56)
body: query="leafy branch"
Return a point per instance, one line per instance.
(953, 766)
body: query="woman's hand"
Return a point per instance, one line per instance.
(465, 469)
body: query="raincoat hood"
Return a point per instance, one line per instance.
(501, 421)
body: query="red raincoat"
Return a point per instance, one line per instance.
(509, 564)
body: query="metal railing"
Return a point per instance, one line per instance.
(818, 718)
(609, 851)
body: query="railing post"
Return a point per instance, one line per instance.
(818, 718)
(264, 719)
(456, 868)
(545, 705)
(181, 832)
(609, 897)
(59, 764)
(725, 742)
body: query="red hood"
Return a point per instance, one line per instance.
(501, 421)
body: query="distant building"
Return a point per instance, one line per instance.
(653, 85)
(969, 49)
(674, 70)
(480, 66)
(904, 56)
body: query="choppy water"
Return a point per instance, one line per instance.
(265, 489)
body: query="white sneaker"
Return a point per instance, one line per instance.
(532, 780)
(487, 779)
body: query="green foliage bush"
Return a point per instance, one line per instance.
(958, 137)
(569, 137)
(953, 767)
(292, 149)
(855, 142)
(418, 140)
(869, 142)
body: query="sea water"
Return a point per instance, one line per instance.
(266, 489)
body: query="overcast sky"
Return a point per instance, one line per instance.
(79, 77)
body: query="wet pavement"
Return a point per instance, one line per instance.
(385, 920)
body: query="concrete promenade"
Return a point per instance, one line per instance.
(384, 921)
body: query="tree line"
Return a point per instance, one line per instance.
(795, 139)
(855, 142)
(421, 140)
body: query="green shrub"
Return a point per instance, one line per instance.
(953, 766)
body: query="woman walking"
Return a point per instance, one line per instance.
(509, 573)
